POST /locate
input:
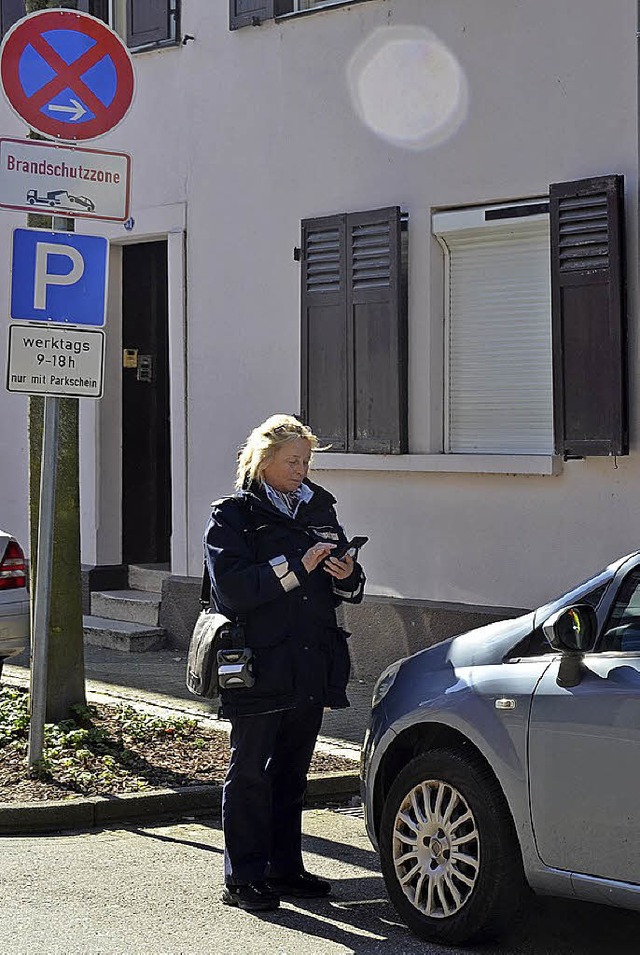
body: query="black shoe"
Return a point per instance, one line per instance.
(303, 885)
(252, 897)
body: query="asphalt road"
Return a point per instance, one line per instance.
(154, 891)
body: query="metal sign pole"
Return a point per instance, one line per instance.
(44, 569)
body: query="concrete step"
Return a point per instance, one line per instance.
(136, 606)
(121, 635)
(148, 577)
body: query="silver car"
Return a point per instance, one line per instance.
(14, 598)
(509, 757)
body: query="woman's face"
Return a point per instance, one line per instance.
(289, 465)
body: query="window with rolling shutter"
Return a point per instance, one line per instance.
(589, 317)
(498, 375)
(354, 330)
(535, 337)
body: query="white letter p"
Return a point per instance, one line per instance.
(45, 278)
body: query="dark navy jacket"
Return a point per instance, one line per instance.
(254, 556)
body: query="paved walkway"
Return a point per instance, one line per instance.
(157, 679)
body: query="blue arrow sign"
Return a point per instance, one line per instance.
(59, 277)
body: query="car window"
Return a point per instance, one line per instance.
(622, 631)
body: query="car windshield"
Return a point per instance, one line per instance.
(595, 586)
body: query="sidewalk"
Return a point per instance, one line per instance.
(155, 682)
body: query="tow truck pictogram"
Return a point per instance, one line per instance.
(59, 197)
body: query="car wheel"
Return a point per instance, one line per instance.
(449, 851)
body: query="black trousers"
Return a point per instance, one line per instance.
(264, 791)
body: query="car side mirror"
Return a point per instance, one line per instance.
(573, 631)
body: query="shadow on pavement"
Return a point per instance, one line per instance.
(359, 916)
(363, 927)
(206, 847)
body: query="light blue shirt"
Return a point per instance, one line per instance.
(288, 503)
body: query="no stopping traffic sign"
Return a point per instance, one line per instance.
(66, 74)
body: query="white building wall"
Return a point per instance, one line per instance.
(251, 131)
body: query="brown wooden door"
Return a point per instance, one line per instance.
(146, 466)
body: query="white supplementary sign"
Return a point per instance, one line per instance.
(53, 360)
(64, 180)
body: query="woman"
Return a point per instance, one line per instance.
(268, 551)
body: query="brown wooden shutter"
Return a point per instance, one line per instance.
(354, 331)
(588, 317)
(97, 8)
(376, 333)
(10, 12)
(247, 13)
(150, 21)
(324, 337)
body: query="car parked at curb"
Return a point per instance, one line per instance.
(14, 598)
(508, 758)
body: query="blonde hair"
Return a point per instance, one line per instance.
(263, 442)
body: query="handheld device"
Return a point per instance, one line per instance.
(354, 544)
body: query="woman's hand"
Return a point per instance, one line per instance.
(340, 569)
(315, 555)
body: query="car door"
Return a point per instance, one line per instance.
(584, 752)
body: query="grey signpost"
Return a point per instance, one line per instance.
(59, 279)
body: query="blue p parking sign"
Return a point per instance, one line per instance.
(59, 277)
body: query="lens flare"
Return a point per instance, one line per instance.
(408, 87)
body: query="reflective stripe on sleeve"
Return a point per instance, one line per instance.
(287, 578)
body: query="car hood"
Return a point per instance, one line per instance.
(480, 647)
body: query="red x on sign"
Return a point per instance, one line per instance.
(67, 74)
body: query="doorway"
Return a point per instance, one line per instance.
(146, 446)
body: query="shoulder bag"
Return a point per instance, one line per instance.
(217, 658)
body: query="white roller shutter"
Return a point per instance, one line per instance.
(498, 338)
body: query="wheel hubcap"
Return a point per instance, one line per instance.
(436, 849)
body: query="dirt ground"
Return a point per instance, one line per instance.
(123, 753)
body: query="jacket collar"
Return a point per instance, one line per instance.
(255, 497)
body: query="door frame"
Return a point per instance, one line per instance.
(100, 441)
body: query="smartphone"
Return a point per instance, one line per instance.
(354, 544)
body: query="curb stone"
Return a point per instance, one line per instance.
(98, 811)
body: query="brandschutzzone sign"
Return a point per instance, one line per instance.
(64, 180)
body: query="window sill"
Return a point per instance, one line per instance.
(156, 45)
(543, 464)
